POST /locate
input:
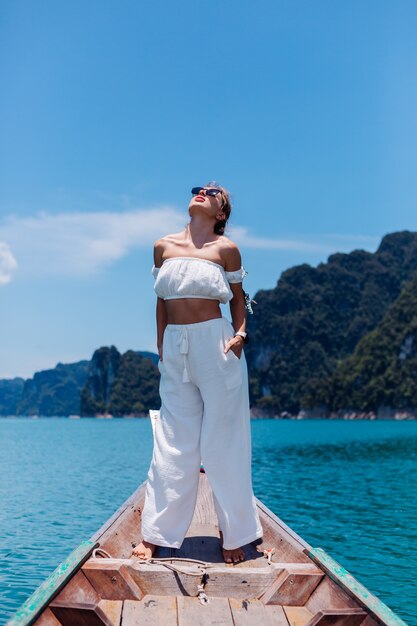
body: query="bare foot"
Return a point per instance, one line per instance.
(144, 550)
(232, 556)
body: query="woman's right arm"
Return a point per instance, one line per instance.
(161, 322)
(161, 314)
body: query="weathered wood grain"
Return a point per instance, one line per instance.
(152, 610)
(297, 615)
(48, 619)
(112, 579)
(338, 617)
(192, 613)
(250, 612)
(78, 589)
(328, 594)
(278, 614)
(105, 613)
(297, 587)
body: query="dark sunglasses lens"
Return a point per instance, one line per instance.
(196, 190)
(212, 192)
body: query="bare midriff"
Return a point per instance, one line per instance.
(191, 310)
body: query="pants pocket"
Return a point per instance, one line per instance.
(166, 382)
(232, 371)
(236, 357)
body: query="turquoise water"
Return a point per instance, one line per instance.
(348, 487)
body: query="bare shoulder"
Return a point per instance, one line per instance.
(230, 254)
(175, 236)
(163, 244)
(158, 250)
(166, 239)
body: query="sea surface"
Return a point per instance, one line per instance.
(349, 487)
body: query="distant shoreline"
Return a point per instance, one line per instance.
(386, 414)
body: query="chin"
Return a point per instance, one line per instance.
(197, 205)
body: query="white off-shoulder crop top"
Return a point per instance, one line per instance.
(191, 277)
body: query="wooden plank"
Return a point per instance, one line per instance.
(47, 619)
(78, 589)
(278, 614)
(111, 579)
(192, 613)
(353, 587)
(297, 615)
(40, 598)
(160, 581)
(328, 594)
(271, 590)
(77, 616)
(203, 546)
(150, 611)
(105, 612)
(338, 617)
(221, 581)
(204, 513)
(240, 582)
(250, 612)
(110, 612)
(123, 578)
(296, 588)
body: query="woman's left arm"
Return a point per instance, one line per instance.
(233, 261)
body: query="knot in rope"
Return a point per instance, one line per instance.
(268, 554)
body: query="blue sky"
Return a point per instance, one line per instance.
(111, 111)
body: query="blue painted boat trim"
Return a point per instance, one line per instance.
(354, 588)
(40, 598)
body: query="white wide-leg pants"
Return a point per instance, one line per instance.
(204, 417)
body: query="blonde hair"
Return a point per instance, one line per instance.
(220, 225)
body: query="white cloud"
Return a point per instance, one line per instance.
(321, 243)
(8, 264)
(80, 243)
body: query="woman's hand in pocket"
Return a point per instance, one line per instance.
(235, 344)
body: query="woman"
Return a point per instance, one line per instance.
(204, 414)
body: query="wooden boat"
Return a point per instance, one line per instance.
(283, 581)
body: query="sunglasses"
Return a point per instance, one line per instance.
(209, 192)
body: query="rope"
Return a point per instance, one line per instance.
(202, 596)
(104, 554)
(268, 555)
(163, 562)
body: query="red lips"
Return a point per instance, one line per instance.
(202, 197)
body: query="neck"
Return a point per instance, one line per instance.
(200, 230)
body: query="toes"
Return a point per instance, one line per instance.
(238, 557)
(228, 558)
(233, 556)
(142, 552)
(139, 555)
